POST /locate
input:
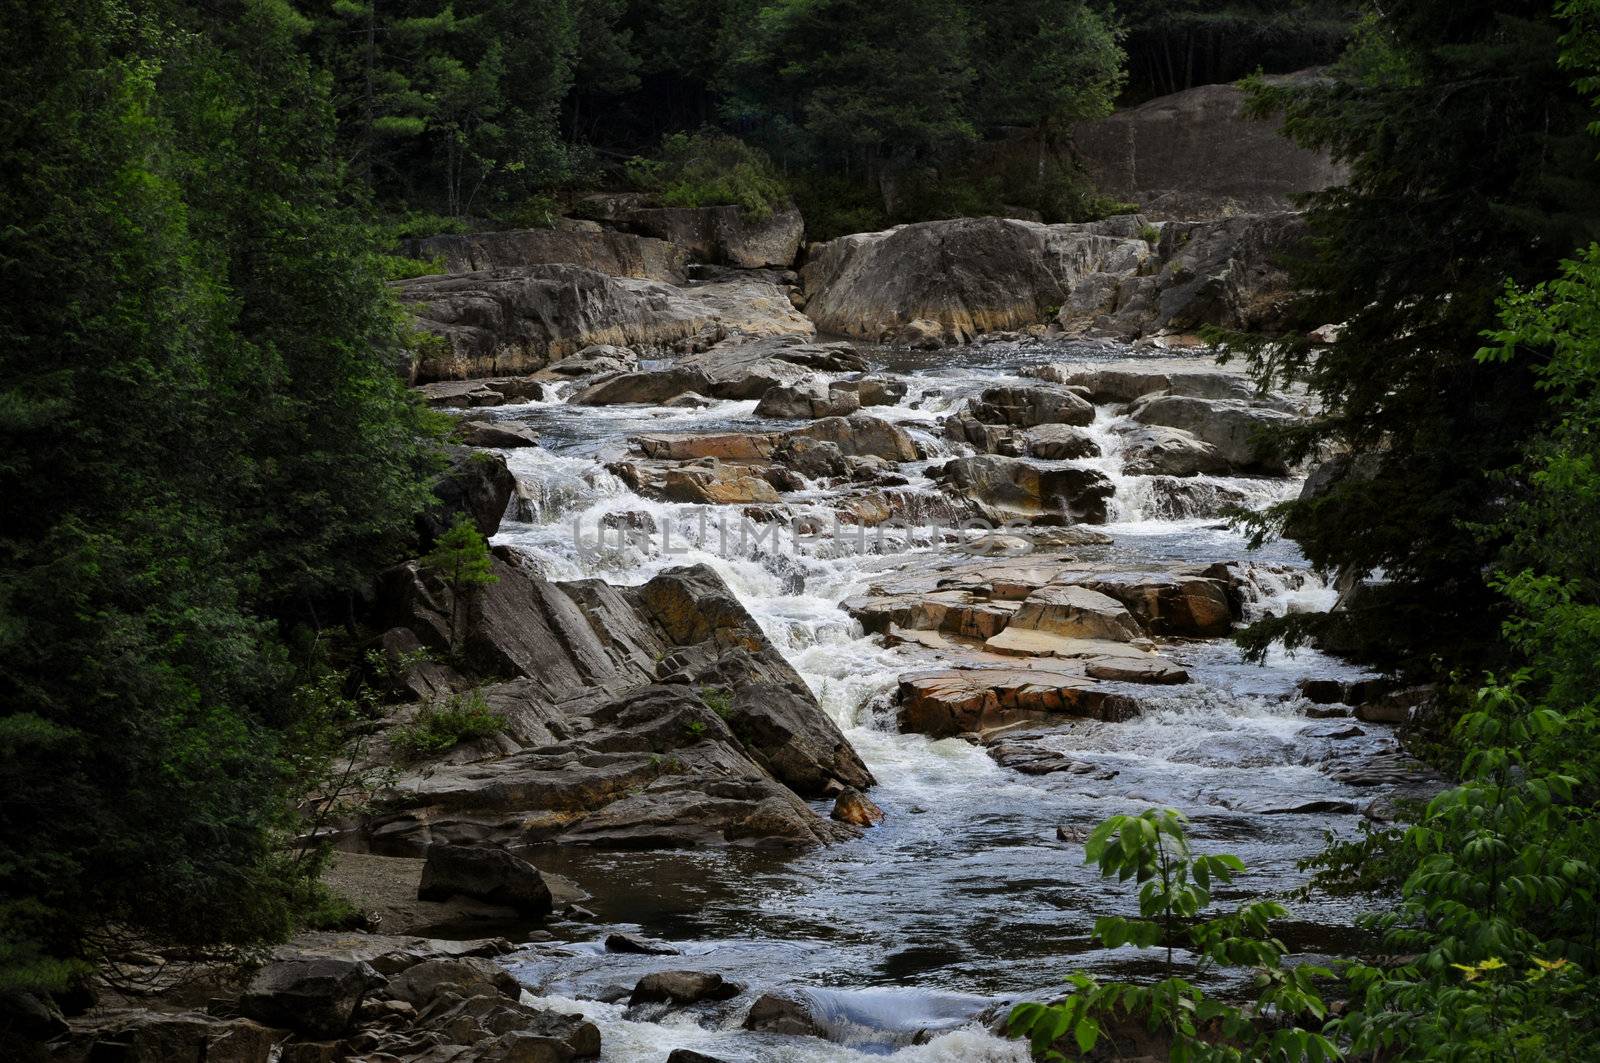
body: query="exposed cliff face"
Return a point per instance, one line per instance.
(516, 320)
(1195, 155)
(971, 275)
(575, 244)
(1121, 277)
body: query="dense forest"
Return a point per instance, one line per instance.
(209, 451)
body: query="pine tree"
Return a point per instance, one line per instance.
(460, 558)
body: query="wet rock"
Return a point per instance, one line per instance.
(492, 391)
(716, 483)
(689, 400)
(987, 438)
(726, 235)
(1060, 442)
(1186, 498)
(1019, 754)
(639, 946)
(775, 1013)
(1031, 405)
(723, 446)
(809, 399)
(1127, 384)
(1237, 431)
(477, 484)
(1157, 451)
(957, 701)
(1194, 606)
(605, 251)
(653, 387)
(520, 319)
(861, 436)
(689, 1055)
(683, 988)
(852, 806)
(504, 435)
(597, 359)
(491, 875)
(880, 391)
(1076, 612)
(1008, 488)
(920, 334)
(744, 368)
(315, 997)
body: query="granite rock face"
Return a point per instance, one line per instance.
(940, 282)
(1194, 154)
(633, 717)
(575, 244)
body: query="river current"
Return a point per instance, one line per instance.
(966, 897)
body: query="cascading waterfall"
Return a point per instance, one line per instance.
(965, 894)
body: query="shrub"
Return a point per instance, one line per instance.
(436, 728)
(710, 170)
(1152, 849)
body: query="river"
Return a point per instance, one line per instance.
(965, 895)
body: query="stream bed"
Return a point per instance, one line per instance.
(905, 941)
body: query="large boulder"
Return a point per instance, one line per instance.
(1158, 451)
(683, 988)
(1239, 432)
(743, 368)
(964, 277)
(613, 253)
(1031, 405)
(1013, 488)
(491, 875)
(861, 436)
(316, 997)
(1129, 383)
(657, 715)
(500, 435)
(1060, 442)
(476, 483)
(521, 318)
(808, 400)
(1076, 612)
(1196, 154)
(726, 235)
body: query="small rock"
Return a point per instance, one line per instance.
(491, 875)
(618, 942)
(689, 1055)
(772, 1013)
(577, 911)
(683, 988)
(501, 434)
(855, 807)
